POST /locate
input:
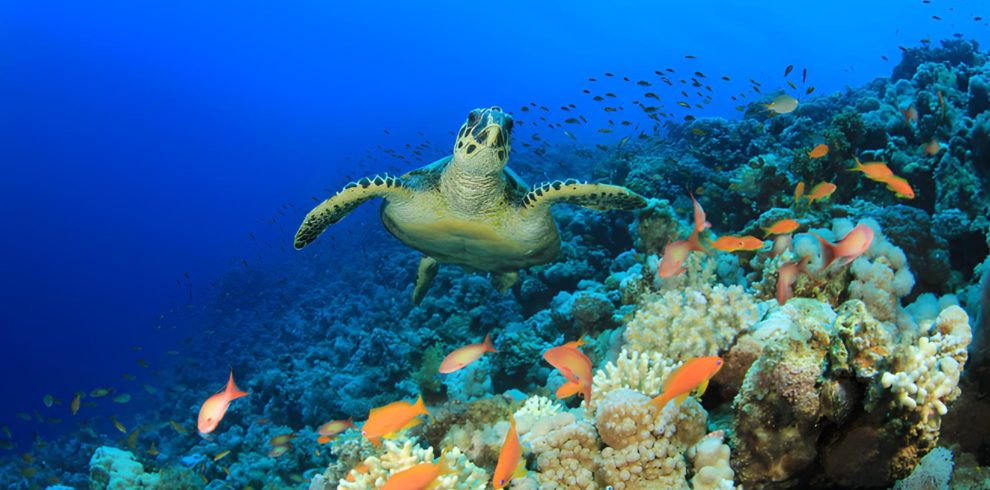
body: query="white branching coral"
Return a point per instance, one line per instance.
(642, 372)
(692, 322)
(538, 407)
(926, 375)
(398, 458)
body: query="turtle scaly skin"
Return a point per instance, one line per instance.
(469, 209)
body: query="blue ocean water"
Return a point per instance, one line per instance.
(147, 148)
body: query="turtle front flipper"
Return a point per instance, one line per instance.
(350, 197)
(428, 267)
(502, 281)
(600, 197)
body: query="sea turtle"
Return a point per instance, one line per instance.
(469, 209)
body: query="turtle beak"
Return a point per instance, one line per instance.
(493, 127)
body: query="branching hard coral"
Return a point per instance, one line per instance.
(640, 371)
(693, 322)
(926, 375)
(538, 407)
(396, 459)
(646, 449)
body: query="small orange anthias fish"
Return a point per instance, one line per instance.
(781, 227)
(798, 192)
(387, 421)
(215, 407)
(693, 374)
(575, 366)
(781, 244)
(846, 250)
(787, 276)
(699, 216)
(750, 243)
(819, 151)
(359, 469)
(676, 253)
(910, 115)
(460, 358)
(941, 103)
(726, 243)
(933, 147)
(873, 170)
(820, 192)
(900, 186)
(336, 427)
(419, 477)
(510, 463)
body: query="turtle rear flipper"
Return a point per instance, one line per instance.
(350, 197)
(600, 197)
(428, 267)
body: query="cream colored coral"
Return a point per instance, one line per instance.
(926, 375)
(643, 372)
(538, 407)
(711, 465)
(692, 322)
(645, 449)
(881, 275)
(566, 457)
(398, 458)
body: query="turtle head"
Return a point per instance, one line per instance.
(483, 142)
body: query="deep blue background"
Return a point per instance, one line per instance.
(143, 140)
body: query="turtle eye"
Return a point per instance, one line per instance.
(473, 118)
(508, 125)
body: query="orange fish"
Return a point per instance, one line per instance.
(699, 216)
(726, 243)
(932, 148)
(419, 477)
(900, 186)
(941, 103)
(693, 374)
(324, 439)
(359, 469)
(215, 407)
(787, 275)
(575, 366)
(781, 244)
(873, 170)
(336, 427)
(510, 464)
(750, 243)
(460, 358)
(911, 114)
(387, 421)
(846, 250)
(782, 226)
(819, 151)
(820, 192)
(798, 192)
(676, 253)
